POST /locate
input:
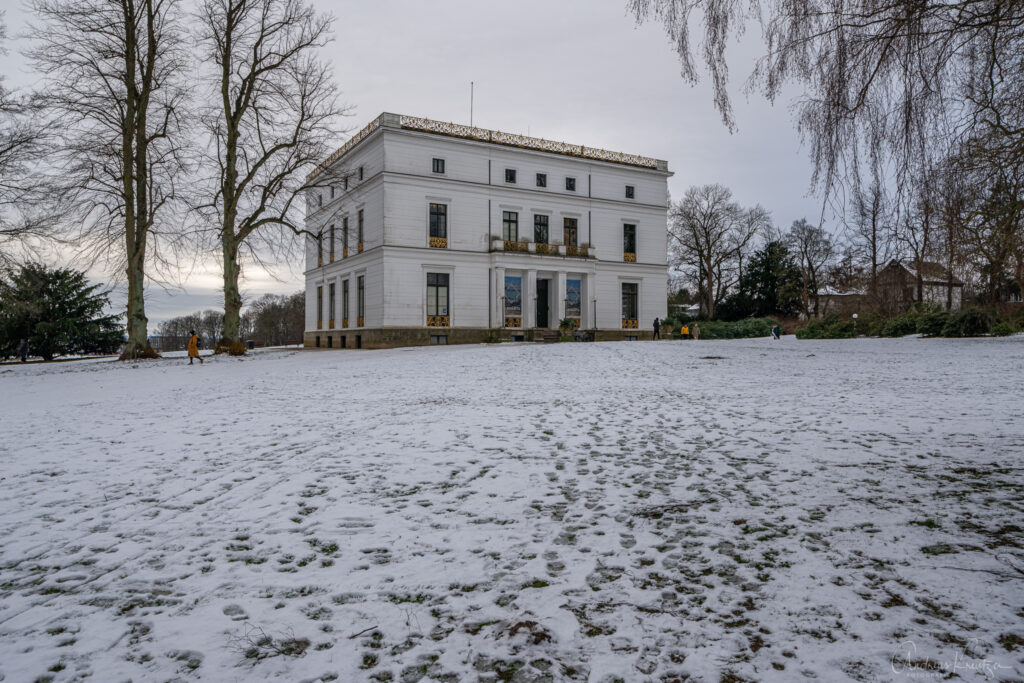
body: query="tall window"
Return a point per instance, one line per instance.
(629, 238)
(360, 172)
(346, 183)
(344, 235)
(320, 248)
(540, 229)
(332, 191)
(319, 306)
(360, 298)
(542, 180)
(569, 230)
(570, 184)
(630, 192)
(510, 226)
(331, 302)
(510, 175)
(332, 241)
(344, 303)
(439, 220)
(629, 300)
(359, 227)
(438, 166)
(437, 294)
(513, 301)
(320, 199)
(573, 298)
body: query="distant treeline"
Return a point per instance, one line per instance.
(271, 320)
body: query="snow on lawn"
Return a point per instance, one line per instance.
(735, 510)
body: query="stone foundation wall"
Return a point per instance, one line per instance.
(393, 337)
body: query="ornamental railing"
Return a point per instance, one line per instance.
(344, 322)
(545, 248)
(439, 242)
(630, 324)
(511, 245)
(629, 257)
(485, 135)
(513, 321)
(524, 142)
(438, 321)
(349, 144)
(573, 250)
(359, 321)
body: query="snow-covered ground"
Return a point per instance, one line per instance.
(705, 511)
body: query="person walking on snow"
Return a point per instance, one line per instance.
(657, 329)
(776, 331)
(695, 331)
(23, 350)
(193, 347)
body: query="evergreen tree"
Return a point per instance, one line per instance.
(58, 311)
(771, 285)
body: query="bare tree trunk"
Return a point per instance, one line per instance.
(232, 297)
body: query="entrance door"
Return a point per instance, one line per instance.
(542, 303)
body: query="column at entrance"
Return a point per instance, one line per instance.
(530, 300)
(497, 308)
(559, 297)
(587, 303)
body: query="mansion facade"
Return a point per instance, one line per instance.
(423, 232)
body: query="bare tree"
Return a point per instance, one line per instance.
(114, 76)
(707, 231)
(903, 79)
(814, 250)
(870, 235)
(274, 108)
(24, 221)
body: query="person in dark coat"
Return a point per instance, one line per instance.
(657, 329)
(23, 350)
(776, 331)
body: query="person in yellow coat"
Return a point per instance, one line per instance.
(685, 331)
(193, 347)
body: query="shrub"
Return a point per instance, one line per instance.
(970, 323)
(829, 327)
(932, 324)
(900, 326)
(741, 329)
(1003, 329)
(870, 323)
(237, 348)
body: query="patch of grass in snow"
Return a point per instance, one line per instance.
(536, 583)
(928, 523)
(324, 547)
(416, 598)
(1011, 641)
(938, 549)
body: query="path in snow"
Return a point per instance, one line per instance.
(740, 510)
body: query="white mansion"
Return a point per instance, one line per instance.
(429, 232)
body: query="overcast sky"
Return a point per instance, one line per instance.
(580, 71)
